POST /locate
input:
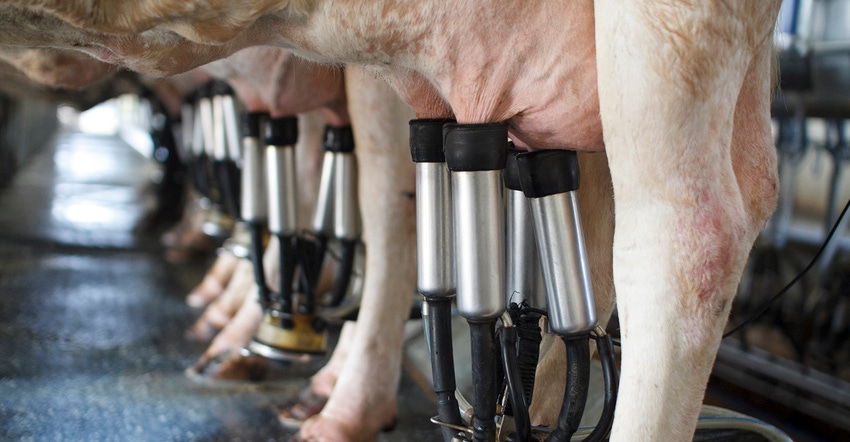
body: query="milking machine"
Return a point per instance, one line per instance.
(337, 214)
(434, 250)
(476, 156)
(225, 146)
(193, 146)
(211, 156)
(289, 329)
(254, 204)
(293, 327)
(268, 200)
(550, 180)
(227, 165)
(524, 284)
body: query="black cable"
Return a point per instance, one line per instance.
(794, 281)
(609, 372)
(515, 384)
(287, 266)
(311, 253)
(482, 336)
(256, 230)
(575, 392)
(439, 325)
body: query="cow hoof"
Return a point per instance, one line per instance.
(324, 429)
(229, 367)
(204, 293)
(201, 332)
(183, 255)
(302, 407)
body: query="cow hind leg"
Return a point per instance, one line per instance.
(679, 86)
(221, 311)
(363, 400)
(214, 282)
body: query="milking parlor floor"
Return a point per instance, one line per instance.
(92, 317)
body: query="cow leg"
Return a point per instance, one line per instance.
(672, 78)
(364, 398)
(310, 402)
(214, 282)
(223, 359)
(217, 315)
(322, 383)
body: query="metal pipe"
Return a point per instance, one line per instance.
(479, 243)
(549, 179)
(322, 223)
(346, 205)
(524, 279)
(434, 242)
(207, 124)
(231, 127)
(219, 137)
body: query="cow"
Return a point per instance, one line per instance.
(271, 72)
(379, 119)
(676, 93)
(269, 80)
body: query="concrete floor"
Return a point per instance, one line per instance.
(92, 318)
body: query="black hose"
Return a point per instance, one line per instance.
(226, 188)
(201, 176)
(234, 173)
(575, 393)
(528, 350)
(484, 355)
(343, 274)
(256, 229)
(442, 362)
(515, 385)
(288, 264)
(311, 254)
(609, 372)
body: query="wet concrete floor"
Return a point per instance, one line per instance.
(92, 317)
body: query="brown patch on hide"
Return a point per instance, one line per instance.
(210, 21)
(699, 37)
(57, 68)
